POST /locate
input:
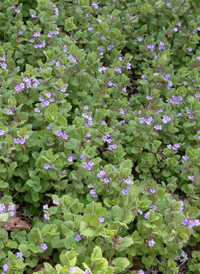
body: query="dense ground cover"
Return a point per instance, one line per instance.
(99, 136)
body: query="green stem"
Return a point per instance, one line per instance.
(116, 239)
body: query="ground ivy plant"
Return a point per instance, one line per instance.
(99, 136)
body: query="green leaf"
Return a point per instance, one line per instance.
(124, 243)
(120, 264)
(69, 24)
(49, 269)
(85, 230)
(96, 254)
(91, 220)
(34, 235)
(4, 217)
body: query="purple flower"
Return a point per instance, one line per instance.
(93, 193)
(2, 208)
(2, 132)
(18, 88)
(143, 76)
(101, 69)
(78, 238)
(140, 211)
(65, 136)
(185, 158)
(90, 28)
(86, 271)
(151, 47)
(56, 11)
(99, 20)
(110, 47)
(149, 120)
(90, 186)
(126, 189)
(149, 97)
(198, 57)
(146, 215)
(45, 206)
(176, 147)
(55, 202)
(44, 246)
(5, 267)
(88, 165)
(95, 5)
(158, 127)
(166, 119)
(140, 39)
(36, 34)
(111, 147)
(17, 10)
(189, 49)
(151, 242)
(46, 216)
(154, 207)
(71, 158)
(3, 65)
(142, 120)
(47, 166)
(11, 207)
(58, 64)
(182, 205)
(83, 157)
(175, 29)
(72, 270)
(191, 116)
(101, 220)
(190, 223)
(118, 70)
(19, 255)
(141, 272)
(106, 180)
(128, 65)
(191, 178)
(37, 110)
(152, 190)
(101, 174)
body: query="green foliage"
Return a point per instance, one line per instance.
(99, 136)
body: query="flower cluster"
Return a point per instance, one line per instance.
(3, 64)
(102, 175)
(100, 69)
(175, 99)
(126, 189)
(166, 119)
(9, 208)
(166, 76)
(175, 147)
(26, 84)
(89, 119)
(71, 158)
(20, 141)
(190, 223)
(147, 121)
(62, 135)
(88, 165)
